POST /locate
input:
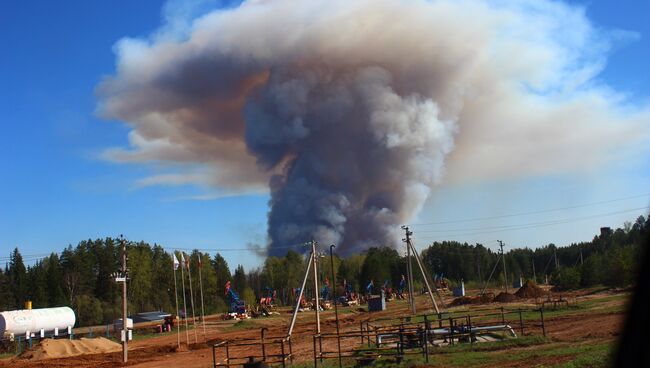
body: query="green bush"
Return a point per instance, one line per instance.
(249, 296)
(567, 278)
(89, 311)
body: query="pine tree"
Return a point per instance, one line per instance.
(18, 279)
(239, 280)
(54, 281)
(221, 270)
(6, 296)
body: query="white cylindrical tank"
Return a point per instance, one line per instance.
(20, 321)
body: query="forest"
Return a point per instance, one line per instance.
(82, 276)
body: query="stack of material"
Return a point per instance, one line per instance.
(63, 348)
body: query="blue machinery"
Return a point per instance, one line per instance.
(236, 305)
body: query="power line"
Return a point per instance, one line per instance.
(534, 223)
(496, 229)
(29, 258)
(243, 249)
(531, 212)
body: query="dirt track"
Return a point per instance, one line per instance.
(162, 351)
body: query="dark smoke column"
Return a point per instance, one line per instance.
(357, 158)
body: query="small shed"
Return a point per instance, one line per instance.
(460, 290)
(377, 303)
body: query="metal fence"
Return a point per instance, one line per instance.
(270, 350)
(421, 334)
(395, 337)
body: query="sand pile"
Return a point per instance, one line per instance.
(504, 297)
(530, 290)
(63, 348)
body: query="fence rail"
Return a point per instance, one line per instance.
(394, 337)
(270, 350)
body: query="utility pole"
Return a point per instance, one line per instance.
(478, 265)
(409, 268)
(314, 256)
(534, 275)
(336, 302)
(125, 330)
(503, 257)
(581, 260)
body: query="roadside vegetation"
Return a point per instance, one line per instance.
(80, 276)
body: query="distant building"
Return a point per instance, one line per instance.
(605, 232)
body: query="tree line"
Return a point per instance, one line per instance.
(82, 276)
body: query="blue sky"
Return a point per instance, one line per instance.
(55, 189)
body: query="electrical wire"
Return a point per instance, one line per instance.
(497, 229)
(532, 212)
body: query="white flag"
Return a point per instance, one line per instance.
(175, 261)
(182, 260)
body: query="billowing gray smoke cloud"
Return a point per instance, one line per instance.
(347, 110)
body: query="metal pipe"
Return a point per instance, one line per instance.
(302, 291)
(491, 273)
(469, 326)
(336, 308)
(262, 331)
(424, 276)
(315, 358)
(214, 357)
(425, 339)
(228, 353)
(409, 271)
(125, 325)
(187, 327)
(313, 250)
(201, 289)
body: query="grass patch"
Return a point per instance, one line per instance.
(243, 324)
(527, 349)
(592, 356)
(491, 346)
(7, 355)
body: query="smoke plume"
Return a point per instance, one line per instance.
(347, 110)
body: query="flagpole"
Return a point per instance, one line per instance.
(187, 334)
(178, 324)
(201, 287)
(189, 274)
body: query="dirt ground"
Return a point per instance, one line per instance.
(162, 350)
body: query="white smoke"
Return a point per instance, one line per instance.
(347, 110)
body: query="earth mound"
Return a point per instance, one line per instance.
(479, 299)
(504, 297)
(530, 290)
(63, 348)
